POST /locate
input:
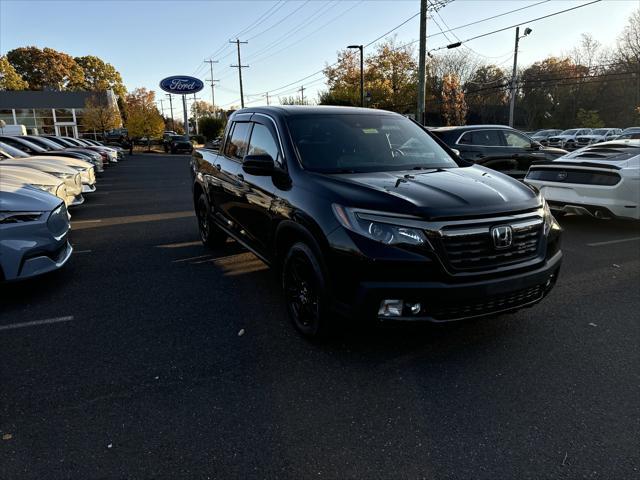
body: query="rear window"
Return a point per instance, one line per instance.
(489, 138)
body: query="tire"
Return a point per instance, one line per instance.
(305, 291)
(210, 235)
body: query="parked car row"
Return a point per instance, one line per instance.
(41, 178)
(575, 138)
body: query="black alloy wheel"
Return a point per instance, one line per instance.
(305, 292)
(210, 235)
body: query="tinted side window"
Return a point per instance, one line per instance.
(262, 142)
(237, 145)
(489, 138)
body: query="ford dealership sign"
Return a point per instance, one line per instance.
(181, 84)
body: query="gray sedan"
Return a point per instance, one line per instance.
(33, 231)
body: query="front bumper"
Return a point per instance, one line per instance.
(86, 188)
(443, 302)
(74, 200)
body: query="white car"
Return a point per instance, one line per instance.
(602, 180)
(43, 181)
(598, 135)
(86, 169)
(68, 175)
(567, 138)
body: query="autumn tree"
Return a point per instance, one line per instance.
(99, 75)
(9, 78)
(454, 107)
(343, 80)
(486, 94)
(293, 100)
(46, 68)
(202, 108)
(99, 115)
(143, 117)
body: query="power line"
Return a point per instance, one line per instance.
(279, 21)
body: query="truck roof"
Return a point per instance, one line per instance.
(293, 110)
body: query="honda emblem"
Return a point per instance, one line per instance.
(502, 236)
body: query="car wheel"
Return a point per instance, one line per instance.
(305, 292)
(210, 235)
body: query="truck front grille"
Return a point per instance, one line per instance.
(473, 248)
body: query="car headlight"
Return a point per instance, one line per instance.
(18, 217)
(379, 230)
(548, 217)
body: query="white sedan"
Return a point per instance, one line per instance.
(602, 180)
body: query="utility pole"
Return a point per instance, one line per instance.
(361, 48)
(422, 63)
(185, 115)
(239, 66)
(213, 82)
(173, 124)
(161, 107)
(512, 102)
(267, 95)
(213, 98)
(301, 95)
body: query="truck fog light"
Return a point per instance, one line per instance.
(414, 308)
(549, 281)
(390, 308)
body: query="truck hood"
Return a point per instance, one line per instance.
(452, 192)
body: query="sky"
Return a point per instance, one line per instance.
(147, 40)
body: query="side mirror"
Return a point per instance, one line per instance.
(261, 165)
(456, 151)
(536, 145)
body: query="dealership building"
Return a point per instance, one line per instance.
(52, 112)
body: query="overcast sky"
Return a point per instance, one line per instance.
(147, 40)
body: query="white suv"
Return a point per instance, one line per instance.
(567, 139)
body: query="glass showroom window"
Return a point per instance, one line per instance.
(64, 115)
(7, 116)
(44, 120)
(25, 116)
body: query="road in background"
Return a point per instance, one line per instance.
(136, 368)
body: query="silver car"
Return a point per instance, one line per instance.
(33, 231)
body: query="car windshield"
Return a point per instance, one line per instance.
(364, 143)
(600, 131)
(573, 131)
(179, 138)
(13, 151)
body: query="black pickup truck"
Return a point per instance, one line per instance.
(364, 212)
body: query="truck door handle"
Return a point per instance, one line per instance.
(218, 166)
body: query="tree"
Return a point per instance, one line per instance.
(202, 108)
(9, 78)
(46, 68)
(99, 75)
(454, 107)
(143, 117)
(589, 119)
(291, 100)
(486, 95)
(99, 115)
(343, 80)
(211, 127)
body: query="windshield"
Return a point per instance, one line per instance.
(179, 138)
(13, 151)
(600, 131)
(364, 143)
(570, 132)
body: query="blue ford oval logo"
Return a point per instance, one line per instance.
(181, 84)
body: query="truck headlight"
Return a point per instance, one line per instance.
(380, 231)
(61, 175)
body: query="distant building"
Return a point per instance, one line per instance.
(53, 112)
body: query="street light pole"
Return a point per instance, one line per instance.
(173, 125)
(512, 102)
(361, 48)
(422, 63)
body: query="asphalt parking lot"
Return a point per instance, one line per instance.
(135, 367)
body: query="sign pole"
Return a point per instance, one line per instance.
(186, 119)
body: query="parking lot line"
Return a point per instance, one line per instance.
(82, 251)
(179, 245)
(34, 323)
(191, 258)
(612, 242)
